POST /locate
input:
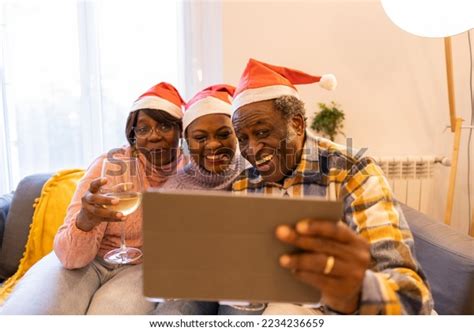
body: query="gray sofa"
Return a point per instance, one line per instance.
(447, 257)
(15, 218)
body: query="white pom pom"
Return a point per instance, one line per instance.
(328, 82)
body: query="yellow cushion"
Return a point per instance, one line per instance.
(50, 210)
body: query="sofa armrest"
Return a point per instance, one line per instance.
(5, 202)
(17, 225)
(447, 258)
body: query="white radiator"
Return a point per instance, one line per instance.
(411, 178)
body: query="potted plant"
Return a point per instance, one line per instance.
(329, 120)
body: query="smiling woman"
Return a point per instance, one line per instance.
(212, 142)
(155, 134)
(215, 160)
(215, 163)
(95, 223)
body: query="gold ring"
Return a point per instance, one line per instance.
(329, 265)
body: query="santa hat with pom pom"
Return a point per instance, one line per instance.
(215, 99)
(261, 81)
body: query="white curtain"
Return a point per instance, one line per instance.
(69, 70)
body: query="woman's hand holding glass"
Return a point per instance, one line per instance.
(123, 184)
(95, 207)
(111, 198)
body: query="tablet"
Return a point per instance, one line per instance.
(218, 246)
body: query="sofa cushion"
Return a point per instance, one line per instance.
(5, 202)
(18, 223)
(447, 257)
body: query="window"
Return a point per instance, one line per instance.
(69, 71)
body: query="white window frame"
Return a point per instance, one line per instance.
(199, 28)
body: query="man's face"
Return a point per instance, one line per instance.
(270, 142)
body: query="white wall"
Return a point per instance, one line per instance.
(392, 85)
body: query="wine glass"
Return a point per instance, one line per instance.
(251, 308)
(123, 184)
(247, 308)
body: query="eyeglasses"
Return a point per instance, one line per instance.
(143, 131)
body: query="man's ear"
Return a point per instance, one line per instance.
(298, 123)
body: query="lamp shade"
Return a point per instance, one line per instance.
(431, 18)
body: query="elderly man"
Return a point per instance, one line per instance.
(363, 264)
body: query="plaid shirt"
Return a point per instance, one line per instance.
(394, 282)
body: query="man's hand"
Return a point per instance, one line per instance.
(322, 241)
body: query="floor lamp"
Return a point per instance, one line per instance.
(439, 18)
(456, 126)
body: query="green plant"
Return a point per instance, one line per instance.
(329, 120)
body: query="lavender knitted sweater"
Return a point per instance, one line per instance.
(193, 177)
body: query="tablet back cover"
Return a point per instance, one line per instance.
(216, 246)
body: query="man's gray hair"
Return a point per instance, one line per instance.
(289, 106)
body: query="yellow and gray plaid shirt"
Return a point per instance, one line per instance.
(394, 283)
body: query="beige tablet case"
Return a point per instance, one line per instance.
(222, 247)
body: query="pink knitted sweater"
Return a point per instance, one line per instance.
(76, 248)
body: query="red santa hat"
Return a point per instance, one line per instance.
(162, 96)
(215, 99)
(261, 81)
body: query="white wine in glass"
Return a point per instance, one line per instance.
(128, 201)
(123, 184)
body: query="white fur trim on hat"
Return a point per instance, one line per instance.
(206, 106)
(262, 94)
(158, 103)
(328, 82)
